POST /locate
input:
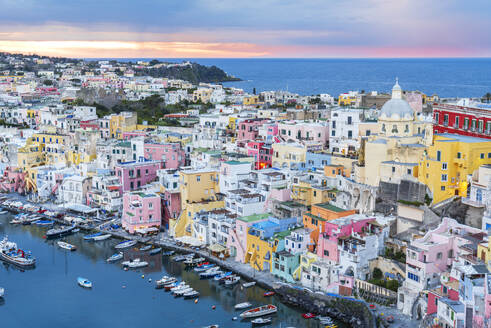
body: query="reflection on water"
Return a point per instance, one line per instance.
(118, 297)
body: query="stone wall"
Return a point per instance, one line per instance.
(348, 310)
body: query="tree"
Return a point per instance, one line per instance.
(254, 90)
(487, 96)
(377, 273)
(48, 82)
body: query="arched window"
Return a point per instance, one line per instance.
(394, 128)
(383, 127)
(406, 130)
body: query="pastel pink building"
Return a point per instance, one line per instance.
(262, 153)
(90, 124)
(300, 132)
(141, 211)
(248, 129)
(132, 134)
(336, 230)
(237, 244)
(171, 154)
(12, 180)
(134, 175)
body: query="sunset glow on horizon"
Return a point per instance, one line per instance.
(269, 28)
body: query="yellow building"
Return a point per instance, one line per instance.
(250, 100)
(260, 251)
(42, 148)
(306, 260)
(199, 189)
(122, 122)
(450, 161)
(347, 99)
(202, 94)
(288, 155)
(307, 194)
(394, 153)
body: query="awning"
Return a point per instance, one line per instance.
(80, 208)
(188, 240)
(217, 248)
(146, 230)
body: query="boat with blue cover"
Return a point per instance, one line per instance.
(83, 282)
(44, 223)
(155, 251)
(203, 268)
(11, 254)
(115, 257)
(92, 236)
(222, 276)
(126, 244)
(60, 232)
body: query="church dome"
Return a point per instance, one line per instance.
(396, 108)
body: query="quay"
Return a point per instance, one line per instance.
(348, 310)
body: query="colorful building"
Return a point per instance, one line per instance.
(141, 211)
(262, 154)
(450, 161)
(134, 175)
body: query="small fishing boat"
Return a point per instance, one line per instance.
(145, 248)
(210, 273)
(203, 268)
(261, 321)
(168, 253)
(125, 244)
(308, 315)
(102, 237)
(85, 283)
(179, 286)
(44, 223)
(3, 212)
(181, 258)
(92, 236)
(60, 232)
(193, 294)
(161, 283)
(191, 262)
(259, 311)
(11, 254)
(232, 280)
(67, 246)
(244, 305)
(134, 264)
(324, 320)
(182, 291)
(2, 292)
(249, 284)
(170, 286)
(222, 276)
(115, 257)
(212, 326)
(155, 251)
(268, 294)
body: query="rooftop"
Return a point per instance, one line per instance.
(254, 217)
(328, 206)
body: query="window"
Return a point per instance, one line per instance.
(444, 166)
(150, 205)
(438, 155)
(482, 155)
(333, 124)
(466, 123)
(408, 171)
(437, 117)
(350, 121)
(350, 134)
(383, 127)
(198, 178)
(442, 188)
(326, 252)
(393, 169)
(333, 133)
(445, 119)
(489, 155)
(459, 155)
(473, 125)
(457, 122)
(481, 126)
(439, 256)
(412, 276)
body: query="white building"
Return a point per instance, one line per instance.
(74, 190)
(344, 130)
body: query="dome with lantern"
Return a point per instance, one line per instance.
(396, 109)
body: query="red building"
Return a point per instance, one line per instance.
(473, 120)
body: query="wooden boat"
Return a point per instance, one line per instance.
(249, 284)
(102, 237)
(134, 264)
(261, 321)
(67, 246)
(115, 257)
(268, 294)
(242, 306)
(125, 244)
(85, 283)
(259, 311)
(155, 251)
(11, 254)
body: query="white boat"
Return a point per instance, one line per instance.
(2, 292)
(261, 321)
(232, 280)
(136, 263)
(192, 294)
(10, 253)
(115, 257)
(3, 212)
(145, 248)
(181, 285)
(125, 244)
(101, 237)
(165, 281)
(244, 305)
(249, 284)
(182, 291)
(259, 311)
(84, 282)
(67, 246)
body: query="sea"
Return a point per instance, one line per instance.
(48, 295)
(446, 77)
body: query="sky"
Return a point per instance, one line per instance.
(254, 28)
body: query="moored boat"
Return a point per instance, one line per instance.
(243, 305)
(249, 284)
(268, 294)
(136, 263)
(92, 236)
(60, 232)
(155, 251)
(203, 268)
(210, 273)
(191, 262)
(182, 291)
(2, 292)
(102, 237)
(164, 281)
(126, 244)
(82, 282)
(261, 321)
(11, 254)
(232, 280)
(43, 223)
(193, 294)
(145, 248)
(222, 276)
(168, 253)
(115, 257)
(67, 246)
(259, 311)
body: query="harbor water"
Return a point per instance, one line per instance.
(48, 295)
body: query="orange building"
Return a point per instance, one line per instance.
(333, 170)
(319, 214)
